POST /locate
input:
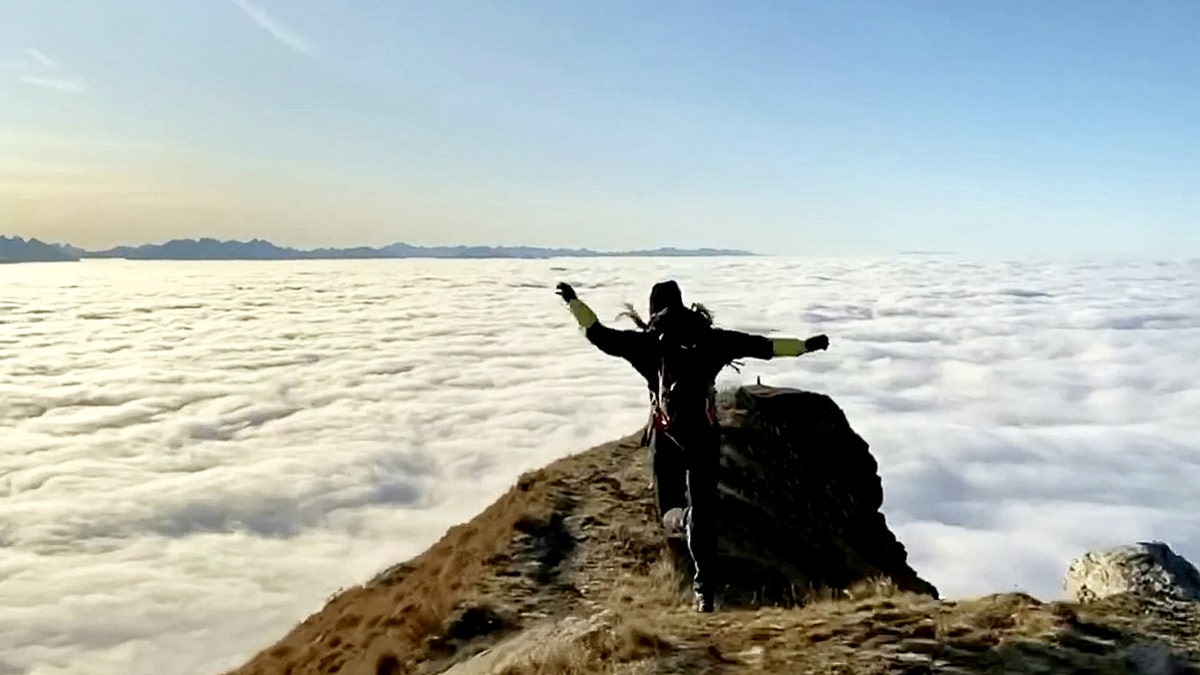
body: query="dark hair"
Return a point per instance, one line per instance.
(696, 309)
(633, 315)
(704, 312)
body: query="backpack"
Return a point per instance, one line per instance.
(685, 374)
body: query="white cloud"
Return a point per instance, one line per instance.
(40, 57)
(239, 440)
(41, 62)
(273, 26)
(69, 85)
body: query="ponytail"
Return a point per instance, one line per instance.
(697, 309)
(704, 312)
(633, 315)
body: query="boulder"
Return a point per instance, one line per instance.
(799, 504)
(1147, 569)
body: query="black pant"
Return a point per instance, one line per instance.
(686, 460)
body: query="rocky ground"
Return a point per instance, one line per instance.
(569, 573)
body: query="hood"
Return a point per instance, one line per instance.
(665, 295)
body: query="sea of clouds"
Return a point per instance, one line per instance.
(197, 455)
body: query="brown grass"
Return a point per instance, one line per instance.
(568, 573)
(604, 649)
(389, 622)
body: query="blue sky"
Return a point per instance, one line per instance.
(1016, 127)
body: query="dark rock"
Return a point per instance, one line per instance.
(469, 622)
(1153, 658)
(387, 664)
(799, 503)
(544, 541)
(475, 620)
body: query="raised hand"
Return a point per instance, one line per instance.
(566, 292)
(816, 343)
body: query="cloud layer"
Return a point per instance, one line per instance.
(198, 455)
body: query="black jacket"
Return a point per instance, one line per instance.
(642, 350)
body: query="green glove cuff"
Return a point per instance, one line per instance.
(788, 347)
(582, 313)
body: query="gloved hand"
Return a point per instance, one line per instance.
(566, 292)
(816, 343)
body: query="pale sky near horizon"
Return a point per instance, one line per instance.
(851, 127)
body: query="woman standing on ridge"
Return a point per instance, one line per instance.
(680, 353)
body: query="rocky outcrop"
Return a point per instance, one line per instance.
(799, 503)
(1147, 569)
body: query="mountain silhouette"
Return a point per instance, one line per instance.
(20, 250)
(16, 249)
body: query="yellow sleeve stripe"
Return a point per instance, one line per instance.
(582, 313)
(788, 347)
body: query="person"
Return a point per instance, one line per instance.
(679, 352)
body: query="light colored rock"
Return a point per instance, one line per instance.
(1148, 569)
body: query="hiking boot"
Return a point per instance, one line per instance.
(674, 521)
(704, 602)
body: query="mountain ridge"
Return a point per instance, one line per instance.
(18, 249)
(570, 572)
(207, 248)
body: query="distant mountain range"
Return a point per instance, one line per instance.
(16, 249)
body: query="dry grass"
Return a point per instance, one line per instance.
(393, 622)
(605, 648)
(568, 573)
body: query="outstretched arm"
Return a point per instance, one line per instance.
(795, 347)
(737, 345)
(626, 344)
